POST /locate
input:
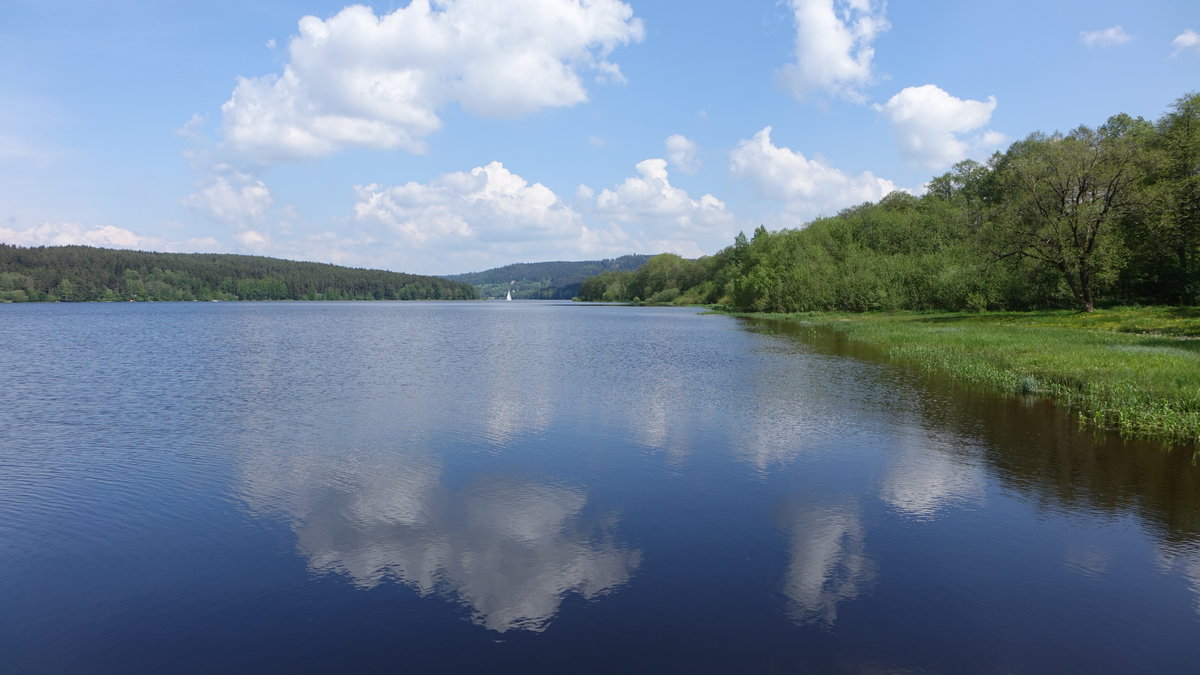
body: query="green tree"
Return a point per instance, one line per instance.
(1177, 179)
(1062, 199)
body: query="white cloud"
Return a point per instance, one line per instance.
(357, 79)
(1109, 37)
(808, 187)
(338, 248)
(69, 234)
(490, 216)
(1188, 39)
(833, 48)
(193, 129)
(681, 150)
(487, 204)
(650, 200)
(252, 239)
(928, 124)
(107, 236)
(231, 196)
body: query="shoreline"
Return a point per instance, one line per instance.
(1131, 370)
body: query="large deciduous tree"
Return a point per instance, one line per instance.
(1060, 200)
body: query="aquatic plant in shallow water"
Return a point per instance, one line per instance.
(1137, 384)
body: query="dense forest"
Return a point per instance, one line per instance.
(84, 273)
(545, 280)
(1092, 217)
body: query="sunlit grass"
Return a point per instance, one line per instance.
(1131, 370)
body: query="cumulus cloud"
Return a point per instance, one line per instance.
(681, 150)
(107, 236)
(486, 204)
(358, 79)
(808, 187)
(1187, 40)
(490, 215)
(1109, 37)
(649, 199)
(833, 48)
(929, 125)
(231, 196)
(69, 234)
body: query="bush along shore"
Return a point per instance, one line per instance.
(1132, 370)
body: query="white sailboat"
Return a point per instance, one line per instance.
(509, 296)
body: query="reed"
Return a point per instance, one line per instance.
(1132, 370)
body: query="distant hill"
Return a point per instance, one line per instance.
(84, 273)
(545, 280)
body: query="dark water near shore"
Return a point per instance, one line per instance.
(526, 486)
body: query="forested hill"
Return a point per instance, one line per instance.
(545, 280)
(84, 273)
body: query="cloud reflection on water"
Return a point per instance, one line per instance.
(828, 562)
(790, 411)
(928, 474)
(1184, 560)
(508, 549)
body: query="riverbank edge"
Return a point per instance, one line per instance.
(1150, 390)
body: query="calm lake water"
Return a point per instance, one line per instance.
(538, 486)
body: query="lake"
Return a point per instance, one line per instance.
(548, 487)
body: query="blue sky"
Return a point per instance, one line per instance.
(454, 136)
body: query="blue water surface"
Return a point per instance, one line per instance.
(553, 487)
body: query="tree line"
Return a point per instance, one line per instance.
(544, 280)
(84, 273)
(1096, 216)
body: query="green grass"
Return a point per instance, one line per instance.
(1133, 370)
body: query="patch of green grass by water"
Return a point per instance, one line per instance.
(1134, 370)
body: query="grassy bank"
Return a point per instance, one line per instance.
(1135, 371)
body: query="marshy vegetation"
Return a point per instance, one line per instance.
(1133, 370)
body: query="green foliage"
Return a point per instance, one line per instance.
(1062, 199)
(1166, 242)
(83, 273)
(1132, 370)
(659, 281)
(1091, 218)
